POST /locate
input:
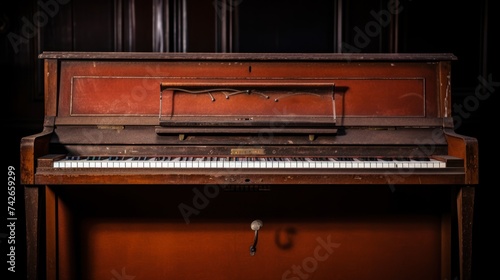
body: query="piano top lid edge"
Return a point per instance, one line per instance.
(348, 57)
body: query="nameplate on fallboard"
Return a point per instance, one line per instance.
(241, 151)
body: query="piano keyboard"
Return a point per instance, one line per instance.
(245, 162)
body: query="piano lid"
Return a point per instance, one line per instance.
(349, 57)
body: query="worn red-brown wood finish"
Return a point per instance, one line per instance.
(124, 223)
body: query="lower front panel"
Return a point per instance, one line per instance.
(204, 232)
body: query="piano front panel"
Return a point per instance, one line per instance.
(203, 232)
(363, 98)
(361, 90)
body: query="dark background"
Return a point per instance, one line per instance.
(464, 28)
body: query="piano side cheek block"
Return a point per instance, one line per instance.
(451, 161)
(47, 161)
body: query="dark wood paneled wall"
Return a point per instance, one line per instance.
(28, 27)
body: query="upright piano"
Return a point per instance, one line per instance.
(248, 166)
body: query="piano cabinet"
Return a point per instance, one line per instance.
(248, 166)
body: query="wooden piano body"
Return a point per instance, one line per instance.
(155, 165)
